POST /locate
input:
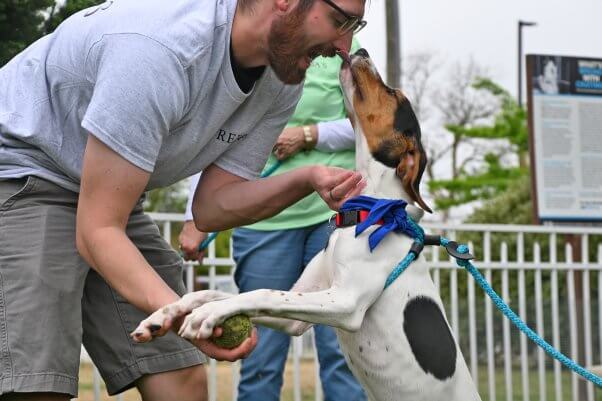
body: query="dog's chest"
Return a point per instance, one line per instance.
(380, 354)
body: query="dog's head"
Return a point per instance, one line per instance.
(387, 121)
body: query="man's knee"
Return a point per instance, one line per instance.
(188, 384)
(194, 383)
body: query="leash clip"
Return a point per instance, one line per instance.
(452, 248)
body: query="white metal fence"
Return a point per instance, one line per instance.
(551, 276)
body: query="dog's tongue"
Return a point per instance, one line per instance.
(344, 55)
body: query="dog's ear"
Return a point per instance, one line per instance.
(413, 161)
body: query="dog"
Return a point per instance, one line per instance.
(396, 341)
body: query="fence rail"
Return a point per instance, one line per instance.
(550, 275)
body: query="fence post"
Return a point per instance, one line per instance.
(575, 241)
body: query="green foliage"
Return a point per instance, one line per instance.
(24, 21)
(510, 123)
(493, 178)
(170, 199)
(69, 8)
(513, 206)
(20, 24)
(509, 207)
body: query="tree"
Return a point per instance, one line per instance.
(59, 14)
(418, 75)
(504, 137)
(24, 21)
(21, 23)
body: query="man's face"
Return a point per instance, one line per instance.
(299, 36)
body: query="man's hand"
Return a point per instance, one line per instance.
(189, 239)
(336, 185)
(145, 334)
(224, 354)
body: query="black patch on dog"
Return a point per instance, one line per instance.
(406, 124)
(430, 339)
(387, 153)
(405, 119)
(362, 52)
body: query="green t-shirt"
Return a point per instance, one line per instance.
(322, 101)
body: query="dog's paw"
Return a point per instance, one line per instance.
(199, 324)
(158, 323)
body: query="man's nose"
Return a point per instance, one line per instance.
(344, 42)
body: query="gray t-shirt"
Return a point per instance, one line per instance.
(153, 81)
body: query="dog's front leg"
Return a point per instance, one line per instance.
(334, 307)
(316, 276)
(159, 322)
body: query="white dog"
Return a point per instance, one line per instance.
(397, 341)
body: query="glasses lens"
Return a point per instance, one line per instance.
(349, 25)
(359, 26)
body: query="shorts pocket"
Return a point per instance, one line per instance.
(13, 189)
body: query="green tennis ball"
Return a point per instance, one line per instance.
(235, 330)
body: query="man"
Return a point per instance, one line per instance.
(121, 98)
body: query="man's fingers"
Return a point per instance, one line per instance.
(191, 255)
(353, 193)
(231, 355)
(341, 190)
(349, 189)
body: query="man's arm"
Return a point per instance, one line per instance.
(110, 187)
(224, 200)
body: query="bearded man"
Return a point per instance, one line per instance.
(124, 97)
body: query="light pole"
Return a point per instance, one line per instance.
(393, 43)
(521, 24)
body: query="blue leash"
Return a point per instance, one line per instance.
(203, 245)
(460, 252)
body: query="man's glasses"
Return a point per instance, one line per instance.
(352, 23)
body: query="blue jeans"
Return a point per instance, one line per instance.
(275, 260)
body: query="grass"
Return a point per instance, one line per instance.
(224, 384)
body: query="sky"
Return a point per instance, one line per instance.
(486, 30)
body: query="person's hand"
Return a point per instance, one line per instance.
(336, 185)
(289, 143)
(223, 354)
(144, 334)
(190, 238)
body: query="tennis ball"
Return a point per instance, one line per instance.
(235, 330)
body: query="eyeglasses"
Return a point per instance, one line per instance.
(352, 23)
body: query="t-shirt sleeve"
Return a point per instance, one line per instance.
(193, 182)
(247, 158)
(140, 92)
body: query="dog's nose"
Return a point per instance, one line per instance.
(362, 53)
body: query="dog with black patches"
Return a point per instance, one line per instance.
(396, 341)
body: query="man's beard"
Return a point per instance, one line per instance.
(287, 45)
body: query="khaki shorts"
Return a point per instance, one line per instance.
(51, 301)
